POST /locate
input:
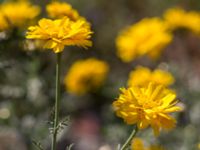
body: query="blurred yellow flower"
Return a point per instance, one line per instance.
(3, 22)
(148, 106)
(61, 9)
(138, 144)
(19, 13)
(55, 34)
(147, 37)
(86, 75)
(141, 76)
(179, 18)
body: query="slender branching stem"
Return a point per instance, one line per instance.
(57, 101)
(128, 141)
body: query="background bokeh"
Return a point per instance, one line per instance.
(27, 82)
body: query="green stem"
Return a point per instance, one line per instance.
(57, 101)
(128, 141)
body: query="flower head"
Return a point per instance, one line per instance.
(19, 13)
(138, 144)
(147, 37)
(62, 9)
(55, 34)
(148, 106)
(178, 18)
(141, 76)
(86, 75)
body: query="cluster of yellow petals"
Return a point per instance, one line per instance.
(86, 75)
(147, 106)
(62, 9)
(141, 76)
(179, 18)
(137, 144)
(56, 34)
(147, 37)
(18, 13)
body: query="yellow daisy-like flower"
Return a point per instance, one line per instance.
(3, 22)
(138, 144)
(147, 37)
(55, 34)
(148, 106)
(19, 13)
(141, 76)
(61, 9)
(178, 18)
(86, 75)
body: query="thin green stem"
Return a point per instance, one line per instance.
(128, 141)
(57, 101)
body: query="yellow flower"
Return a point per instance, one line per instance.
(148, 106)
(86, 75)
(179, 18)
(61, 9)
(55, 34)
(138, 144)
(141, 76)
(19, 13)
(147, 37)
(3, 22)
